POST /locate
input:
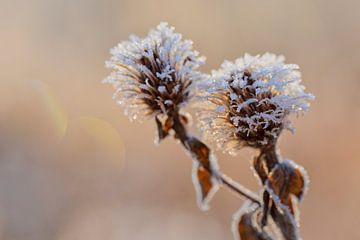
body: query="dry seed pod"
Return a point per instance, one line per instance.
(154, 75)
(247, 102)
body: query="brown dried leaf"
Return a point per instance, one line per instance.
(163, 127)
(246, 223)
(204, 180)
(205, 185)
(287, 178)
(204, 172)
(200, 152)
(286, 182)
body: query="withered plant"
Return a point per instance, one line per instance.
(246, 103)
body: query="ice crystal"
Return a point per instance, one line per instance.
(247, 102)
(154, 74)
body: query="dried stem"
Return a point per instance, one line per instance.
(237, 188)
(270, 156)
(183, 136)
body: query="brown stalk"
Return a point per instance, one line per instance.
(263, 164)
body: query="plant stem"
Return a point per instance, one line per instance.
(183, 136)
(270, 156)
(236, 187)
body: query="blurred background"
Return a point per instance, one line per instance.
(72, 167)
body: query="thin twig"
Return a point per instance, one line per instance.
(182, 134)
(240, 189)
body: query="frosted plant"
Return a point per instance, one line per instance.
(245, 103)
(154, 75)
(249, 100)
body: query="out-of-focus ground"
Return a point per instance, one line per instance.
(72, 167)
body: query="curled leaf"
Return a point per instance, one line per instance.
(163, 127)
(205, 185)
(246, 224)
(288, 178)
(286, 184)
(283, 214)
(200, 152)
(204, 178)
(204, 172)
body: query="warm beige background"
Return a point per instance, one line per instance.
(72, 167)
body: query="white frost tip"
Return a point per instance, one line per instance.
(162, 89)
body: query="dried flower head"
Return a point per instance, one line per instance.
(153, 75)
(244, 103)
(249, 101)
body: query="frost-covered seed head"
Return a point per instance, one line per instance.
(153, 75)
(248, 101)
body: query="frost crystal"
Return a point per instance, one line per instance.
(247, 102)
(153, 75)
